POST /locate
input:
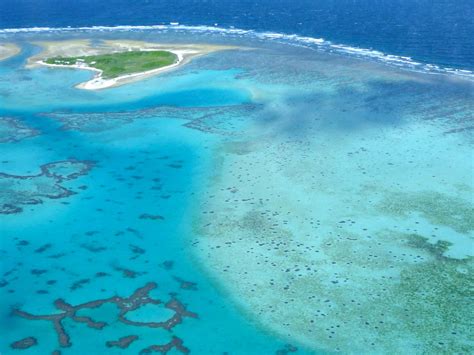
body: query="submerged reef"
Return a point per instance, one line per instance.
(175, 343)
(436, 207)
(186, 285)
(13, 130)
(288, 349)
(396, 289)
(141, 297)
(24, 343)
(348, 228)
(221, 120)
(123, 342)
(20, 190)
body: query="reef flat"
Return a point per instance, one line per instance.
(8, 50)
(346, 221)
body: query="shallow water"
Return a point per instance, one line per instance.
(285, 197)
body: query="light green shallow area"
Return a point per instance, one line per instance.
(345, 218)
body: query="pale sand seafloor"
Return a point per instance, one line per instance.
(84, 47)
(8, 50)
(349, 225)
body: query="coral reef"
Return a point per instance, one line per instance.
(123, 342)
(287, 350)
(222, 120)
(454, 212)
(138, 299)
(24, 343)
(19, 190)
(13, 130)
(186, 285)
(175, 342)
(152, 216)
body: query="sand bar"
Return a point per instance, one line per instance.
(8, 50)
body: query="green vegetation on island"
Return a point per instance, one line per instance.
(122, 63)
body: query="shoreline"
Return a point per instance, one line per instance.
(98, 83)
(8, 50)
(184, 53)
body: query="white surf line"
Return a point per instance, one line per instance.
(98, 83)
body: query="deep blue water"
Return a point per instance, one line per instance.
(432, 31)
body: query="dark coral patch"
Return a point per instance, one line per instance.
(213, 120)
(101, 274)
(38, 272)
(130, 274)
(43, 248)
(167, 264)
(21, 190)
(13, 130)
(186, 285)
(123, 342)
(175, 343)
(154, 217)
(93, 248)
(79, 284)
(24, 343)
(287, 349)
(138, 299)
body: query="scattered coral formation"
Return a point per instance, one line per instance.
(453, 212)
(186, 285)
(154, 217)
(365, 223)
(13, 130)
(131, 274)
(287, 350)
(19, 190)
(222, 120)
(24, 343)
(139, 298)
(123, 342)
(175, 343)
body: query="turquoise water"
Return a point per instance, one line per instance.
(125, 224)
(279, 194)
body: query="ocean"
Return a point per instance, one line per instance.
(308, 190)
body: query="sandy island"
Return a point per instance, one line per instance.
(8, 50)
(74, 48)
